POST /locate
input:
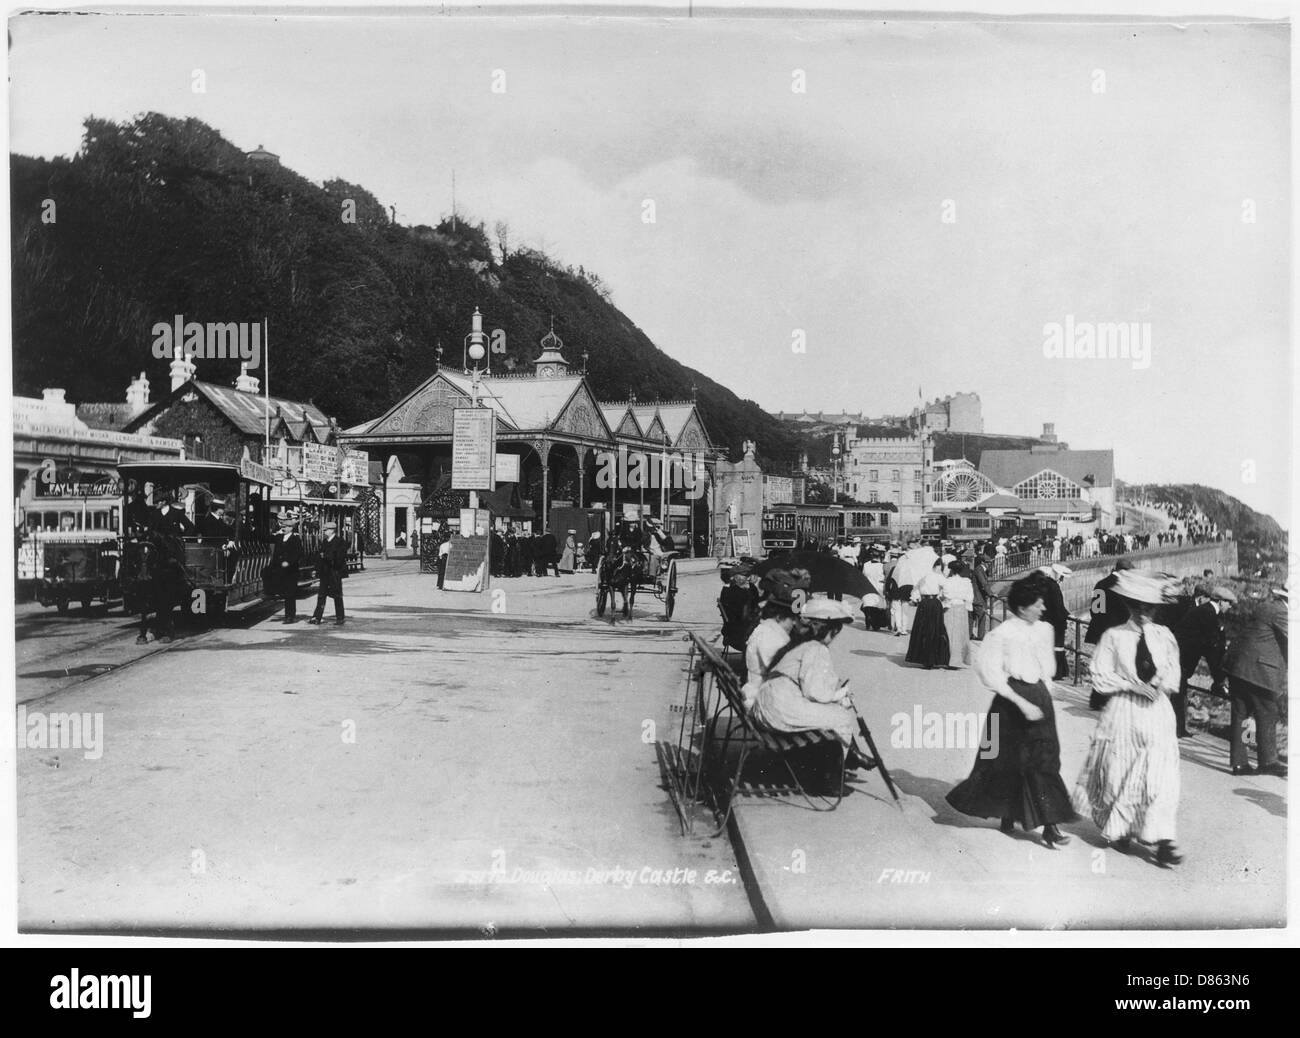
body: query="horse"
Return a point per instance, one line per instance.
(620, 570)
(154, 581)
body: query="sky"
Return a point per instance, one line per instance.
(935, 197)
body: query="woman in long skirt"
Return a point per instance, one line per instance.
(929, 642)
(1018, 777)
(569, 560)
(1130, 784)
(958, 601)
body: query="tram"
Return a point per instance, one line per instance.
(223, 565)
(787, 526)
(872, 524)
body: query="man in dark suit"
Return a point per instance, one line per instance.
(979, 579)
(282, 573)
(1199, 635)
(1255, 663)
(526, 545)
(171, 520)
(547, 558)
(331, 570)
(1106, 610)
(1055, 613)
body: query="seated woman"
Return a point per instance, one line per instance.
(783, 594)
(802, 692)
(739, 605)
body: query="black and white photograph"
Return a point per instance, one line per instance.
(654, 473)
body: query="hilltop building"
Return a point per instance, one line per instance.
(958, 412)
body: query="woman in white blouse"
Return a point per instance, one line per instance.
(1017, 773)
(1130, 784)
(958, 599)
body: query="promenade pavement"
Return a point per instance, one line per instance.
(872, 863)
(479, 763)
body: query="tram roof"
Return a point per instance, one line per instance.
(189, 469)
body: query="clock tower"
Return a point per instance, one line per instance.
(551, 362)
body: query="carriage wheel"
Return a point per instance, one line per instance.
(602, 599)
(670, 592)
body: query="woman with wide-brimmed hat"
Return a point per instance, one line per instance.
(782, 594)
(803, 693)
(1130, 784)
(1017, 773)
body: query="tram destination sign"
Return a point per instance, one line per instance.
(473, 448)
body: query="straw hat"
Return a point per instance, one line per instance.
(1137, 587)
(1223, 594)
(827, 609)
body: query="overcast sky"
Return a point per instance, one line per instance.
(821, 211)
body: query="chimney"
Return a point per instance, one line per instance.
(246, 383)
(137, 394)
(53, 396)
(182, 369)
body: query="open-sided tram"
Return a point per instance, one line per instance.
(224, 559)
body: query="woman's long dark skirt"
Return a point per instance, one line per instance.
(929, 643)
(1023, 781)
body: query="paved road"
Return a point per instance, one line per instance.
(434, 764)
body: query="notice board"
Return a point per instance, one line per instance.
(473, 448)
(467, 564)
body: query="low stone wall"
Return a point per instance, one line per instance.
(1192, 560)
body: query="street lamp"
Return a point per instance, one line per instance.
(474, 348)
(836, 463)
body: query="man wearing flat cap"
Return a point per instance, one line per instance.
(1200, 636)
(331, 569)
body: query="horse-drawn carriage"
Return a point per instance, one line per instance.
(203, 563)
(627, 568)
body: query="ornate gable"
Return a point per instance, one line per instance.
(656, 431)
(581, 417)
(692, 436)
(427, 410)
(628, 426)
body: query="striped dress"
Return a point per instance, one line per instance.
(1130, 783)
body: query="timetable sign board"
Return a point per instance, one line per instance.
(473, 448)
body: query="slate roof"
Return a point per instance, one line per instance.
(1007, 468)
(110, 416)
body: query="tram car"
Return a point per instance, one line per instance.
(223, 564)
(872, 523)
(78, 566)
(965, 525)
(787, 527)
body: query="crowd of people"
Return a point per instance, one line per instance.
(1148, 642)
